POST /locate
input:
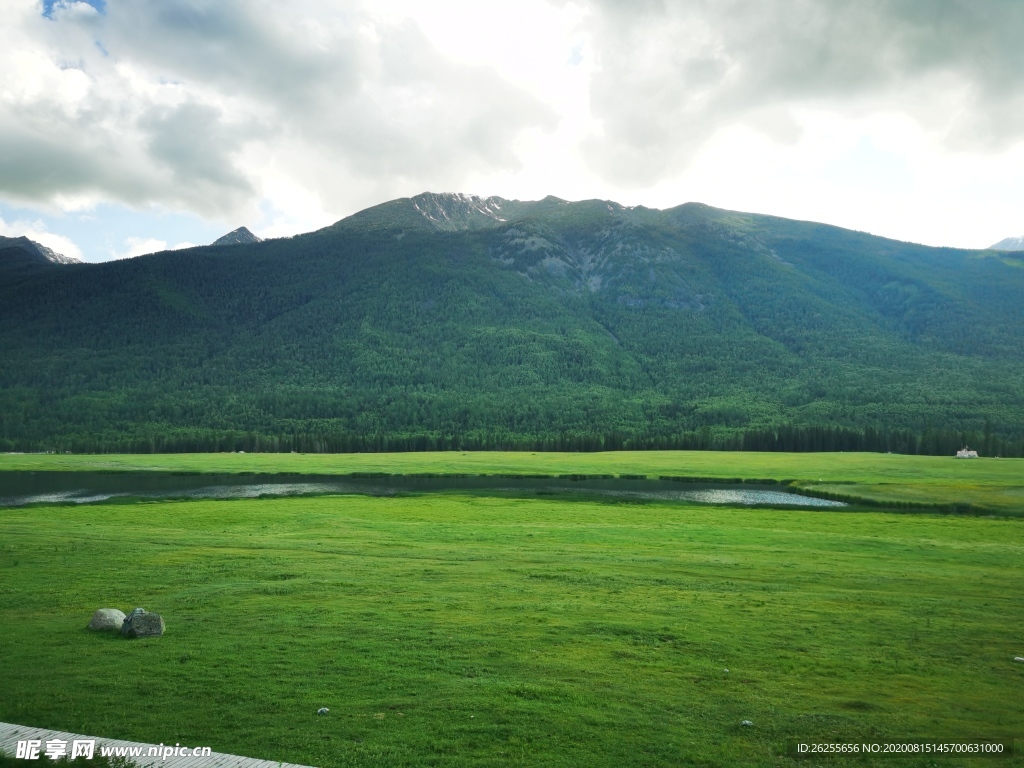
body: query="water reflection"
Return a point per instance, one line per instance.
(20, 488)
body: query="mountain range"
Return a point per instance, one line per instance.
(449, 320)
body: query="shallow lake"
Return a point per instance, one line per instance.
(20, 488)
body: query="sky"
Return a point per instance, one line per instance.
(131, 126)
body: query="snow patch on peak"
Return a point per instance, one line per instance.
(453, 211)
(52, 256)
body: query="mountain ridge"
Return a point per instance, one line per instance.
(37, 252)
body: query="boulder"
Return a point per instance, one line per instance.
(142, 623)
(107, 620)
(128, 619)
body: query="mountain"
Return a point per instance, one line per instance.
(1009, 244)
(240, 236)
(23, 250)
(457, 321)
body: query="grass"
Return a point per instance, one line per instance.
(460, 630)
(986, 485)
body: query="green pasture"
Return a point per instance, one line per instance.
(986, 485)
(462, 630)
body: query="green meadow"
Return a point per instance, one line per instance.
(985, 485)
(475, 630)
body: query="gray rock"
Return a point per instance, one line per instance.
(747, 723)
(128, 619)
(142, 623)
(1018, 658)
(323, 711)
(107, 620)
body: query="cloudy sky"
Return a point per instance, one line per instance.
(128, 126)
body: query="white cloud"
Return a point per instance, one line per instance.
(37, 231)
(882, 173)
(900, 117)
(184, 104)
(671, 75)
(140, 246)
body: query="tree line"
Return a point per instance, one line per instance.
(790, 439)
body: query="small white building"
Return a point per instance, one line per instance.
(966, 453)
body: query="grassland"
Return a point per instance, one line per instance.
(456, 630)
(985, 485)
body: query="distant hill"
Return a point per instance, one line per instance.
(32, 252)
(1009, 244)
(240, 236)
(447, 320)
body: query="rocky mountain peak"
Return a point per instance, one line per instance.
(240, 236)
(37, 251)
(453, 211)
(1009, 244)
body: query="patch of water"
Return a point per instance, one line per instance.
(21, 488)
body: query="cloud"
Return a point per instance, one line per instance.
(140, 246)
(37, 231)
(672, 74)
(194, 104)
(286, 116)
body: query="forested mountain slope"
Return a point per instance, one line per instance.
(449, 320)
